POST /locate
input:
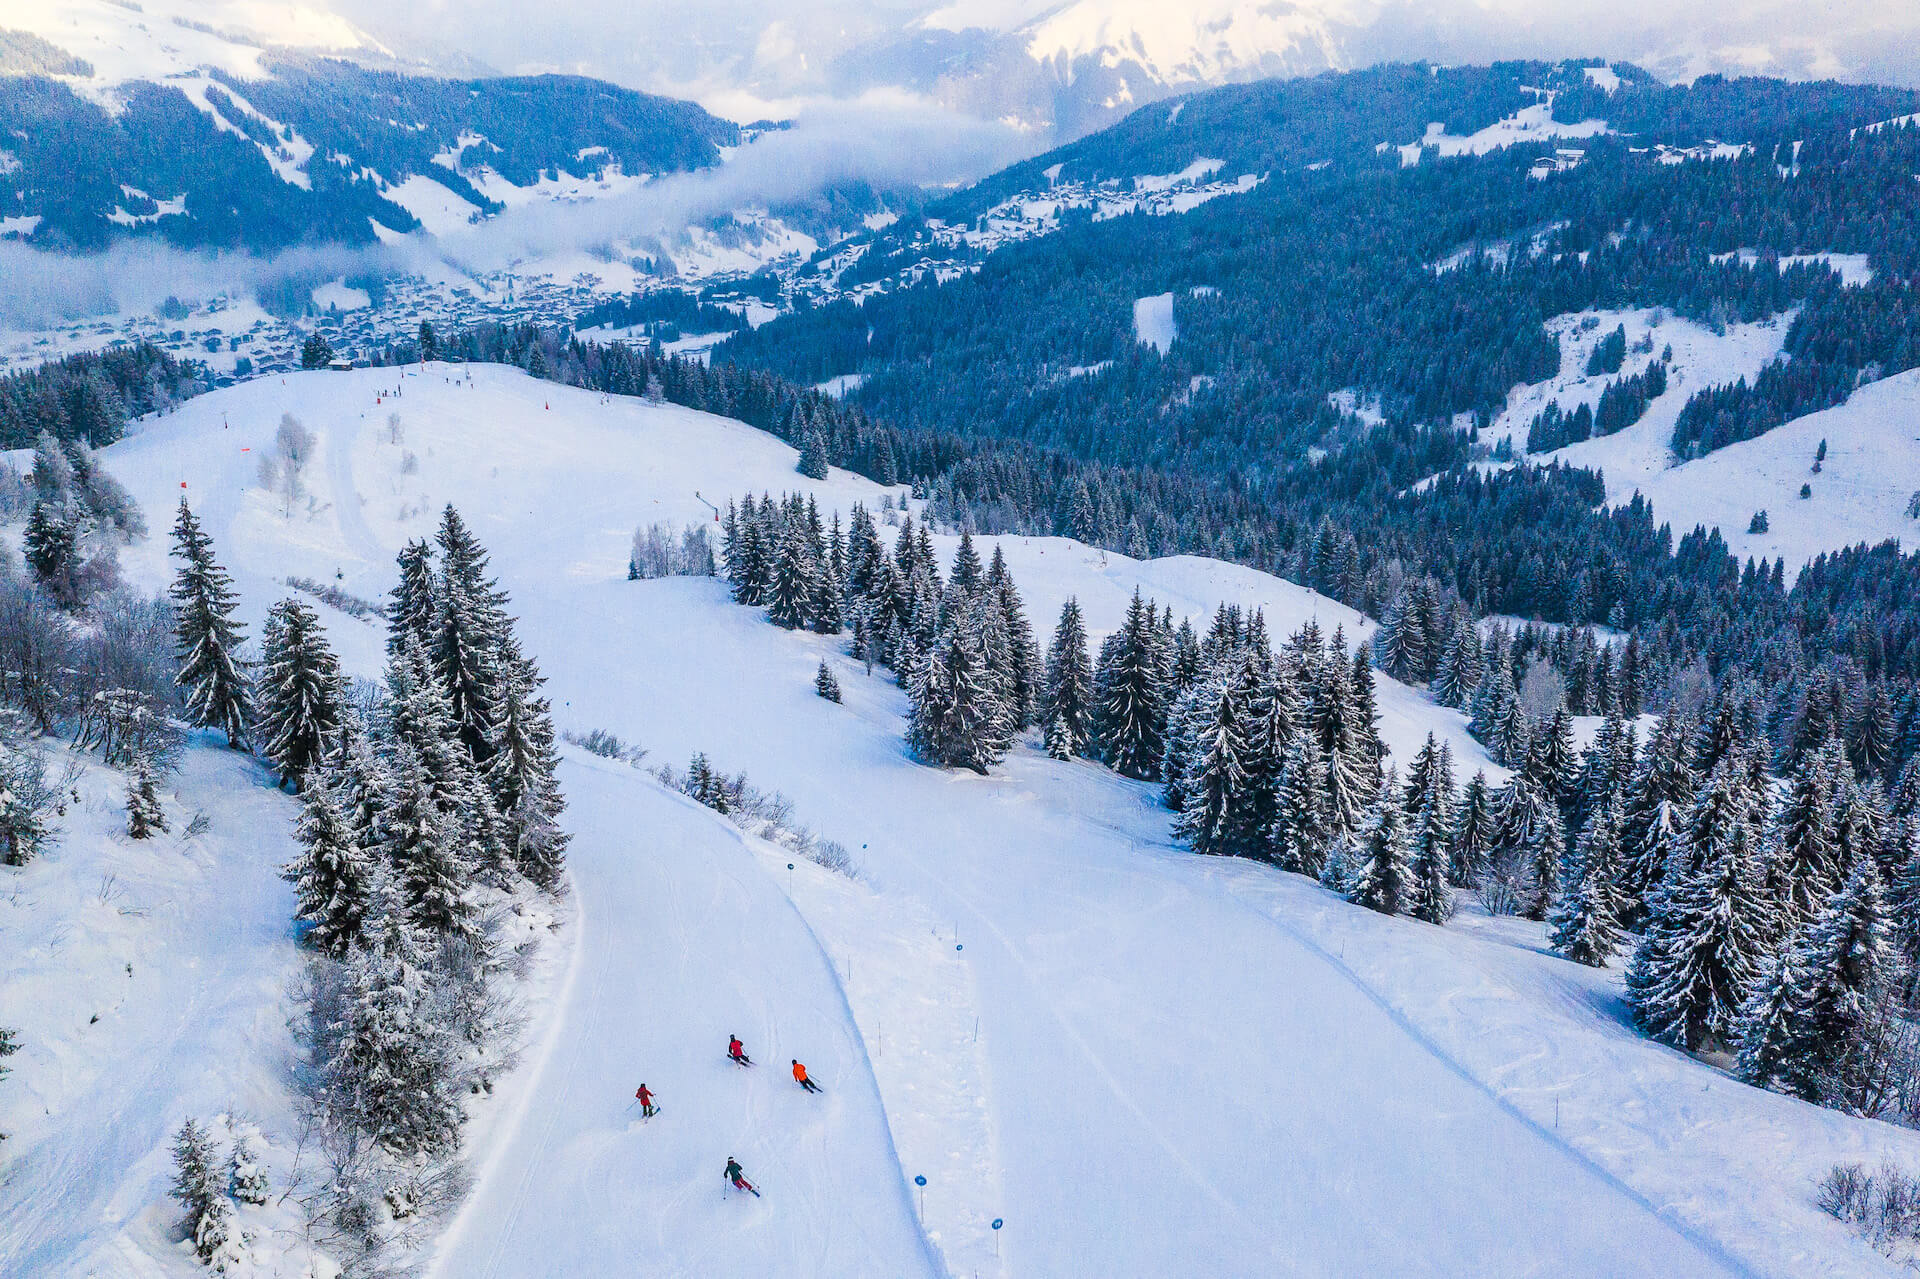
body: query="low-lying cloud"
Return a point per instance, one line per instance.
(887, 140)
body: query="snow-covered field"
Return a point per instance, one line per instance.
(1871, 472)
(1139, 1061)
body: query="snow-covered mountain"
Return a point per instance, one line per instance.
(1103, 1054)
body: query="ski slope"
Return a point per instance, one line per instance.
(1177, 1066)
(147, 980)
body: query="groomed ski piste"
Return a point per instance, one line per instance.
(1138, 1061)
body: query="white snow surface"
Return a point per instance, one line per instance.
(1153, 321)
(1180, 1065)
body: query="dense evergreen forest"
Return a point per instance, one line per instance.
(90, 396)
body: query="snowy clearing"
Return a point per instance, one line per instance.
(1153, 321)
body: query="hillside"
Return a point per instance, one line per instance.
(1173, 1056)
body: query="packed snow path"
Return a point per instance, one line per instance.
(683, 940)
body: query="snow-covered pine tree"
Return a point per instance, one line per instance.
(1059, 739)
(1427, 803)
(9, 1045)
(790, 594)
(1661, 792)
(1216, 817)
(218, 693)
(1586, 926)
(521, 773)
(966, 575)
(391, 1073)
(1810, 871)
(1552, 760)
(1706, 937)
(470, 622)
(825, 683)
(1297, 836)
(197, 1169)
(1331, 718)
(957, 719)
(411, 604)
(1383, 879)
(426, 849)
(1365, 712)
(247, 1172)
(333, 871)
(1527, 843)
(1475, 828)
(50, 546)
(1131, 704)
(826, 609)
(1068, 692)
(1821, 1049)
(813, 455)
(145, 814)
(300, 692)
(1023, 655)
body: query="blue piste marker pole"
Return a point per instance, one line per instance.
(921, 1182)
(997, 1223)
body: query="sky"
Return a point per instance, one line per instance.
(736, 55)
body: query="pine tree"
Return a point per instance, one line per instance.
(957, 718)
(197, 1185)
(391, 1072)
(1474, 831)
(1827, 991)
(470, 622)
(824, 682)
(1059, 739)
(1298, 835)
(412, 603)
(1810, 870)
(332, 874)
(218, 693)
(50, 546)
(1384, 880)
(813, 456)
(1428, 804)
(246, 1172)
(300, 692)
(1023, 656)
(1707, 933)
(1585, 920)
(1131, 703)
(145, 814)
(520, 776)
(1217, 815)
(426, 849)
(9, 1045)
(1068, 694)
(1527, 840)
(790, 596)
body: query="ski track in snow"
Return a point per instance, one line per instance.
(1171, 1071)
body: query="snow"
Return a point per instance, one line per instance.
(337, 293)
(1871, 472)
(1529, 124)
(842, 386)
(1606, 79)
(145, 42)
(1202, 41)
(1153, 321)
(440, 211)
(1852, 268)
(1197, 171)
(1175, 1058)
(22, 225)
(180, 947)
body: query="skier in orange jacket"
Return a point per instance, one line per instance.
(800, 1077)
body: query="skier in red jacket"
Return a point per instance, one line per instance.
(645, 1098)
(737, 1052)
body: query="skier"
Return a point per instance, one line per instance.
(645, 1098)
(800, 1077)
(738, 1176)
(737, 1052)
